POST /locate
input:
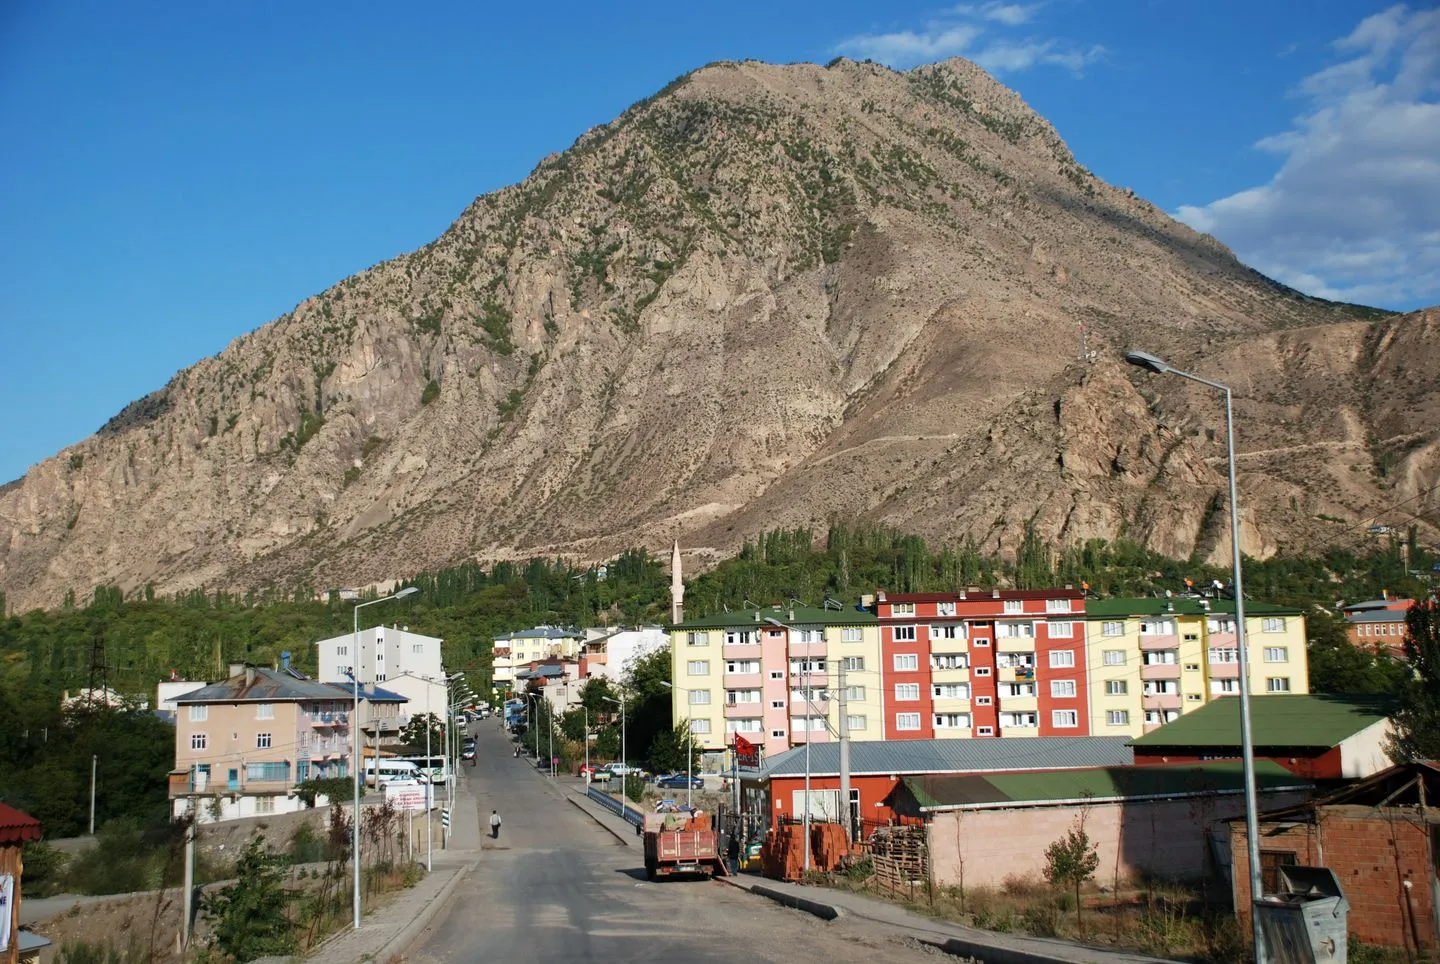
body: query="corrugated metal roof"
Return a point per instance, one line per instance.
(956, 756)
(16, 826)
(540, 632)
(1100, 783)
(269, 686)
(785, 615)
(1276, 719)
(1376, 616)
(1178, 606)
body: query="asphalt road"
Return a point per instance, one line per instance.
(558, 887)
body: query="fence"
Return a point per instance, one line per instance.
(901, 859)
(616, 806)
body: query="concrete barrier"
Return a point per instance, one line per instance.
(819, 909)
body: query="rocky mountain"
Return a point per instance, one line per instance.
(768, 295)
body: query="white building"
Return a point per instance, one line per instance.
(516, 651)
(381, 654)
(423, 694)
(611, 652)
(169, 691)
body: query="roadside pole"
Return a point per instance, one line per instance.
(849, 823)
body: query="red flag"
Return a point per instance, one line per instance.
(747, 754)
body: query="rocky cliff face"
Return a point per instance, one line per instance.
(766, 296)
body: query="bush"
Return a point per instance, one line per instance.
(250, 915)
(120, 862)
(44, 869)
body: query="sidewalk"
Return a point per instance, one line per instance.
(827, 903)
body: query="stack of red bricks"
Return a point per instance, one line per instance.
(828, 846)
(782, 855)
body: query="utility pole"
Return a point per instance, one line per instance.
(845, 755)
(93, 759)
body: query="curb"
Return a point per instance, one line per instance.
(603, 825)
(823, 911)
(398, 944)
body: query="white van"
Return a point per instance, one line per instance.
(391, 771)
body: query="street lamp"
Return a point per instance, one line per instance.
(1247, 747)
(624, 767)
(357, 763)
(689, 743)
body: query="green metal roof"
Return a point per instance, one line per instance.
(1179, 606)
(1276, 719)
(785, 615)
(1103, 783)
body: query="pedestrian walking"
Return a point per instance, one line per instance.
(494, 825)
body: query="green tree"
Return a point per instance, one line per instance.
(414, 732)
(1339, 666)
(670, 751)
(250, 915)
(1417, 721)
(1072, 860)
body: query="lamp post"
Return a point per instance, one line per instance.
(356, 762)
(446, 769)
(689, 744)
(1247, 746)
(624, 766)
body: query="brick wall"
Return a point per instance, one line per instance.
(1371, 852)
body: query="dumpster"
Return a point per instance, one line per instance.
(1307, 921)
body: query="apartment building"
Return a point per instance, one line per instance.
(516, 651)
(983, 663)
(243, 743)
(775, 676)
(611, 651)
(378, 654)
(1152, 660)
(1378, 624)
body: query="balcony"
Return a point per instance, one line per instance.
(800, 680)
(1224, 670)
(1019, 731)
(1159, 671)
(743, 681)
(1015, 644)
(329, 719)
(813, 736)
(739, 650)
(808, 650)
(1018, 704)
(1222, 640)
(812, 707)
(1015, 674)
(1161, 701)
(1150, 643)
(1152, 727)
(950, 675)
(952, 704)
(744, 711)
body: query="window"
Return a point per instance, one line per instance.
(264, 711)
(262, 741)
(1277, 654)
(197, 741)
(1057, 605)
(1192, 637)
(951, 691)
(733, 637)
(945, 609)
(1224, 687)
(700, 639)
(902, 609)
(1220, 624)
(1192, 667)
(1015, 630)
(1277, 684)
(1157, 627)
(1015, 660)
(807, 664)
(952, 721)
(777, 704)
(1192, 697)
(742, 666)
(271, 772)
(809, 694)
(1112, 627)
(851, 634)
(1153, 717)
(699, 727)
(1113, 657)
(947, 632)
(777, 734)
(1062, 688)
(699, 697)
(1160, 657)
(777, 674)
(1272, 624)
(1117, 717)
(904, 634)
(853, 723)
(1161, 687)
(982, 671)
(199, 713)
(812, 635)
(417, 648)
(982, 642)
(907, 721)
(1017, 689)
(1224, 656)
(744, 726)
(807, 724)
(342, 650)
(1116, 687)
(907, 691)
(1062, 658)
(734, 697)
(1022, 720)
(949, 661)
(1270, 863)
(983, 701)
(698, 667)
(905, 662)
(985, 731)
(855, 664)
(854, 692)
(1014, 606)
(1062, 630)
(1064, 718)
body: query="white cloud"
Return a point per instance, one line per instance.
(1354, 211)
(965, 30)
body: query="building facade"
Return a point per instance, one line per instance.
(776, 676)
(611, 652)
(381, 652)
(1378, 624)
(516, 651)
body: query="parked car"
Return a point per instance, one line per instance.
(624, 769)
(468, 753)
(587, 769)
(679, 781)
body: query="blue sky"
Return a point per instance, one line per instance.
(177, 174)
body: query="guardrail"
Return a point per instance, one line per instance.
(615, 806)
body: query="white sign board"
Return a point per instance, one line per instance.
(406, 796)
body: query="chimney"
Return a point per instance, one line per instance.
(249, 676)
(236, 669)
(285, 659)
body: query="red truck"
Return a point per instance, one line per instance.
(677, 843)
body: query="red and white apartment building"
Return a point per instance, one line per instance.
(984, 663)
